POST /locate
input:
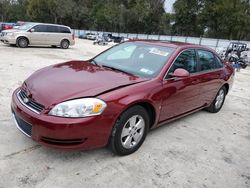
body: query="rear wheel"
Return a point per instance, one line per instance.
(64, 44)
(129, 131)
(218, 101)
(22, 42)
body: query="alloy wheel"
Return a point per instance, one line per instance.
(219, 99)
(132, 132)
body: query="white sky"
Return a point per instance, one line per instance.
(169, 5)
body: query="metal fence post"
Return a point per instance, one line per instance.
(217, 43)
(200, 40)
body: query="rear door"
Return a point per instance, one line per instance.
(181, 95)
(53, 35)
(211, 71)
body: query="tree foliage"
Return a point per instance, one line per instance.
(210, 18)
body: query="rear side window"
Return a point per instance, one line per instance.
(207, 60)
(64, 30)
(40, 28)
(218, 62)
(186, 60)
(52, 29)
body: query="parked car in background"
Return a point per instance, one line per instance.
(91, 36)
(116, 97)
(6, 26)
(39, 34)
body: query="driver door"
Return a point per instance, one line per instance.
(181, 95)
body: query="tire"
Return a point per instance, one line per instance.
(22, 42)
(64, 44)
(243, 65)
(218, 101)
(129, 131)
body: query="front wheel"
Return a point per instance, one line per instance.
(218, 101)
(22, 42)
(129, 131)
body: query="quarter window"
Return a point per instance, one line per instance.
(207, 60)
(186, 60)
(64, 30)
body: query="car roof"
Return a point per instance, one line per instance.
(170, 44)
(50, 24)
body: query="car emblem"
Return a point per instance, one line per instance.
(25, 100)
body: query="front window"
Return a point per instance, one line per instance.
(186, 60)
(136, 58)
(26, 26)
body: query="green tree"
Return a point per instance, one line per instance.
(186, 18)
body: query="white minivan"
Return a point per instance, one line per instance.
(39, 34)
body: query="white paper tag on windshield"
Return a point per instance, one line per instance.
(158, 52)
(146, 71)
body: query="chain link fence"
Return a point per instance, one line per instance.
(217, 44)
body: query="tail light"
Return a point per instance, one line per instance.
(73, 36)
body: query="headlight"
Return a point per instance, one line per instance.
(79, 108)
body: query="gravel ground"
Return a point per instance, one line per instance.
(200, 150)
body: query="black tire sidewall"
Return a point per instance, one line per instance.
(117, 131)
(214, 109)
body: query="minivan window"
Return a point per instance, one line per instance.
(40, 28)
(64, 30)
(186, 60)
(207, 60)
(52, 29)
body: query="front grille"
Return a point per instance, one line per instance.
(23, 126)
(29, 103)
(3, 34)
(62, 142)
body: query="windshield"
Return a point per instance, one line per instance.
(26, 26)
(135, 58)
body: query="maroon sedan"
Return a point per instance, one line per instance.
(116, 97)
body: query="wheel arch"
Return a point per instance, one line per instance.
(22, 37)
(148, 106)
(65, 39)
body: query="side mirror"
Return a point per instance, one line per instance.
(32, 30)
(180, 73)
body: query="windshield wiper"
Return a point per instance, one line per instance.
(116, 69)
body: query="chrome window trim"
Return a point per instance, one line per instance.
(21, 101)
(18, 127)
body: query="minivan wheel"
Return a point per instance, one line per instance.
(65, 44)
(129, 131)
(22, 42)
(218, 101)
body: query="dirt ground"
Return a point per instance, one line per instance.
(200, 150)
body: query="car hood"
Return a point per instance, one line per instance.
(75, 79)
(10, 31)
